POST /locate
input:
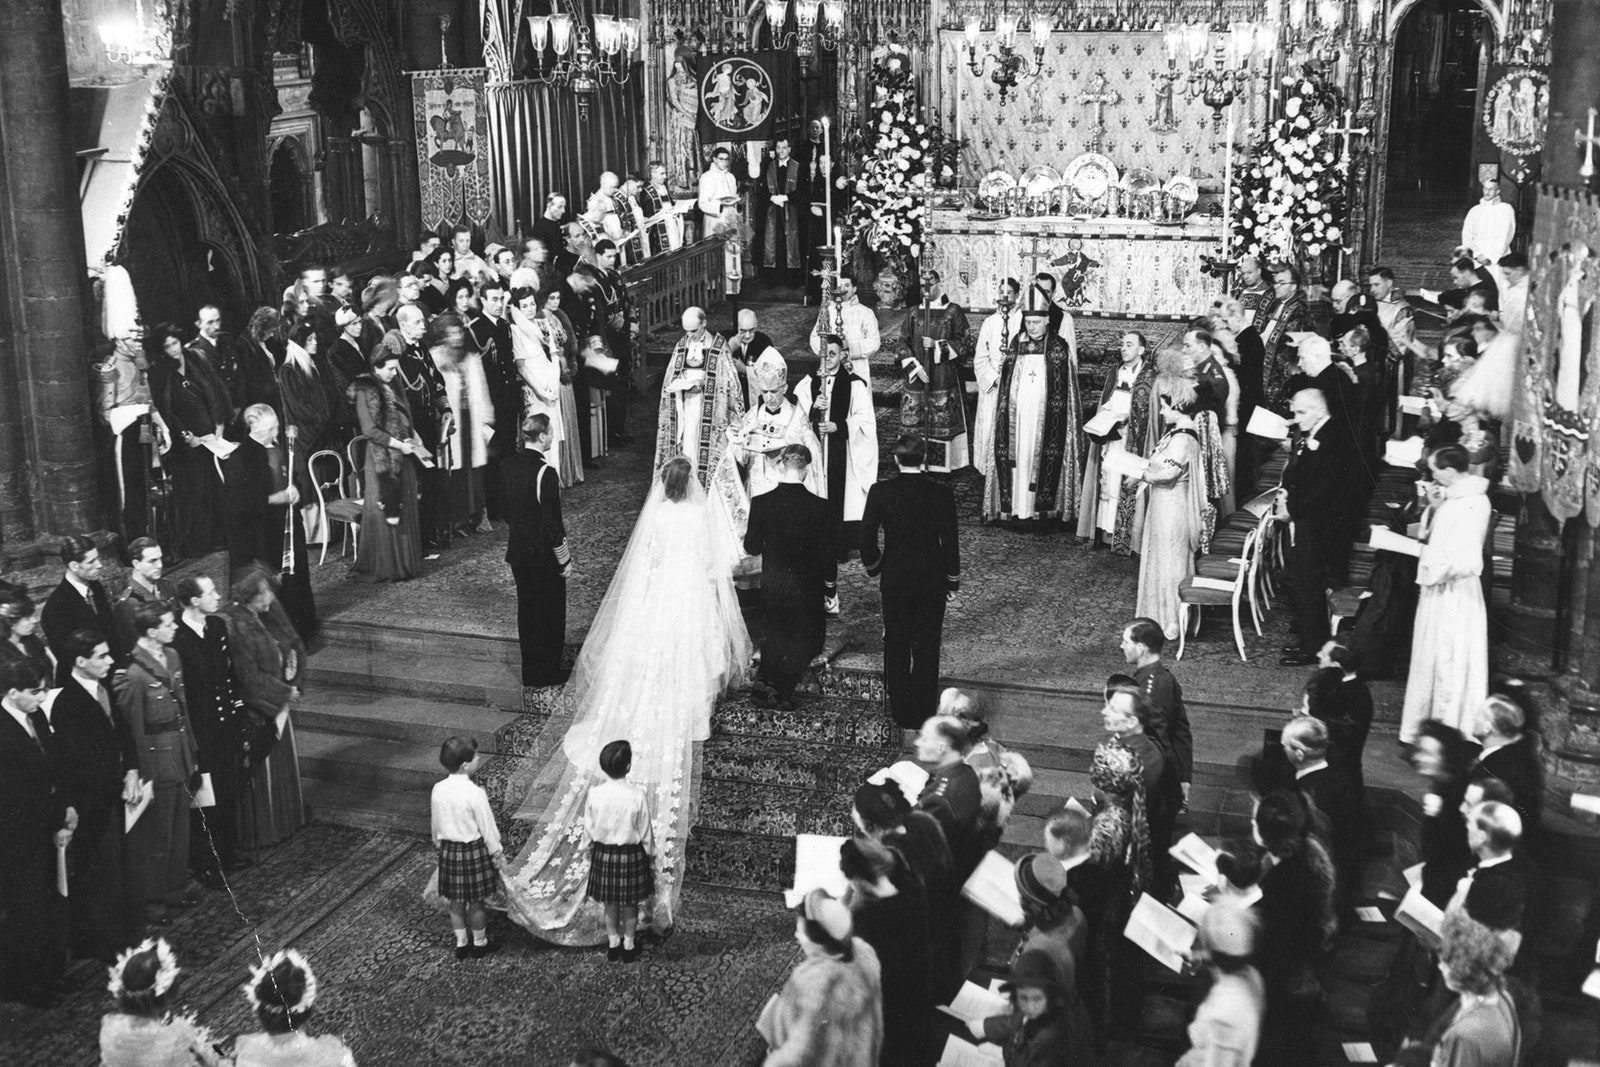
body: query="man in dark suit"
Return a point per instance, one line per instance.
(78, 603)
(1495, 891)
(549, 226)
(538, 554)
(261, 494)
(1322, 492)
(1511, 755)
(919, 567)
(34, 820)
(491, 332)
(101, 776)
(430, 417)
(151, 696)
(792, 530)
(1334, 801)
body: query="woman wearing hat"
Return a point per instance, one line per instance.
(282, 992)
(890, 913)
(1038, 1033)
(142, 1031)
(830, 1011)
(1054, 926)
(1227, 1024)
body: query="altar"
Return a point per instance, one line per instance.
(1108, 267)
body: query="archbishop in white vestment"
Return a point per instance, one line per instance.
(748, 466)
(700, 398)
(1449, 676)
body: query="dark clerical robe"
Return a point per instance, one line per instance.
(785, 178)
(1037, 436)
(935, 337)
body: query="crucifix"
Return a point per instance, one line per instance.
(1587, 142)
(1100, 95)
(1347, 131)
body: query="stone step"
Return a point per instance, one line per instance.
(410, 672)
(343, 804)
(390, 717)
(373, 764)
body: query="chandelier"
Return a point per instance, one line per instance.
(1220, 62)
(808, 32)
(1319, 32)
(139, 42)
(1010, 65)
(577, 63)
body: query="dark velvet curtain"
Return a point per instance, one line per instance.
(539, 145)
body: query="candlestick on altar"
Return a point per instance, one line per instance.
(826, 174)
(1227, 186)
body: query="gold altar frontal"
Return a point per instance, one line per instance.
(1109, 268)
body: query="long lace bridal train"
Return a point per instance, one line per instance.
(667, 641)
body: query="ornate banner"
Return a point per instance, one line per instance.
(451, 110)
(1555, 436)
(737, 95)
(1101, 92)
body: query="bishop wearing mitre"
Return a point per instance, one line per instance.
(1037, 431)
(701, 398)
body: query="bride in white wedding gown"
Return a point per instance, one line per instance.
(667, 641)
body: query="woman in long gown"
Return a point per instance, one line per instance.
(1174, 519)
(562, 343)
(390, 549)
(269, 660)
(650, 684)
(538, 370)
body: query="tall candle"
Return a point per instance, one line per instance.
(1227, 187)
(838, 246)
(827, 179)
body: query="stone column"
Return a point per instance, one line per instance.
(45, 281)
(1536, 587)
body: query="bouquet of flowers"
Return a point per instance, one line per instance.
(890, 208)
(1290, 197)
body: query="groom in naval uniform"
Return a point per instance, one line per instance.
(537, 551)
(919, 567)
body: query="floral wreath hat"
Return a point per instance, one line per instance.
(166, 971)
(262, 977)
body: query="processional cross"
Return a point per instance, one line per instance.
(1347, 131)
(1101, 95)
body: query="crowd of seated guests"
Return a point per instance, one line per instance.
(166, 701)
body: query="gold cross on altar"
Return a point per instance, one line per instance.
(1100, 95)
(1347, 131)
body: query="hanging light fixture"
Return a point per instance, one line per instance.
(140, 41)
(603, 55)
(818, 23)
(1010, 65)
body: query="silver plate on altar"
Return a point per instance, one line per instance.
(995, 185)
(1040, 180)
(1183, 190)
(1140, 181)
(1091, 176)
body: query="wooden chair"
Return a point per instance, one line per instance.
(338, 507)
(1225, 585)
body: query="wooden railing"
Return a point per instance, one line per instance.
(663, 286)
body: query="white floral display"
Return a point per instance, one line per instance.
(1290, 196)
(890, 209)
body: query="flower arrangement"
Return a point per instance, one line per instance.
(1290, 197)
(890, 208)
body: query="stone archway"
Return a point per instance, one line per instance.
(290, 190)
(1378, 180)
(180, 253)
